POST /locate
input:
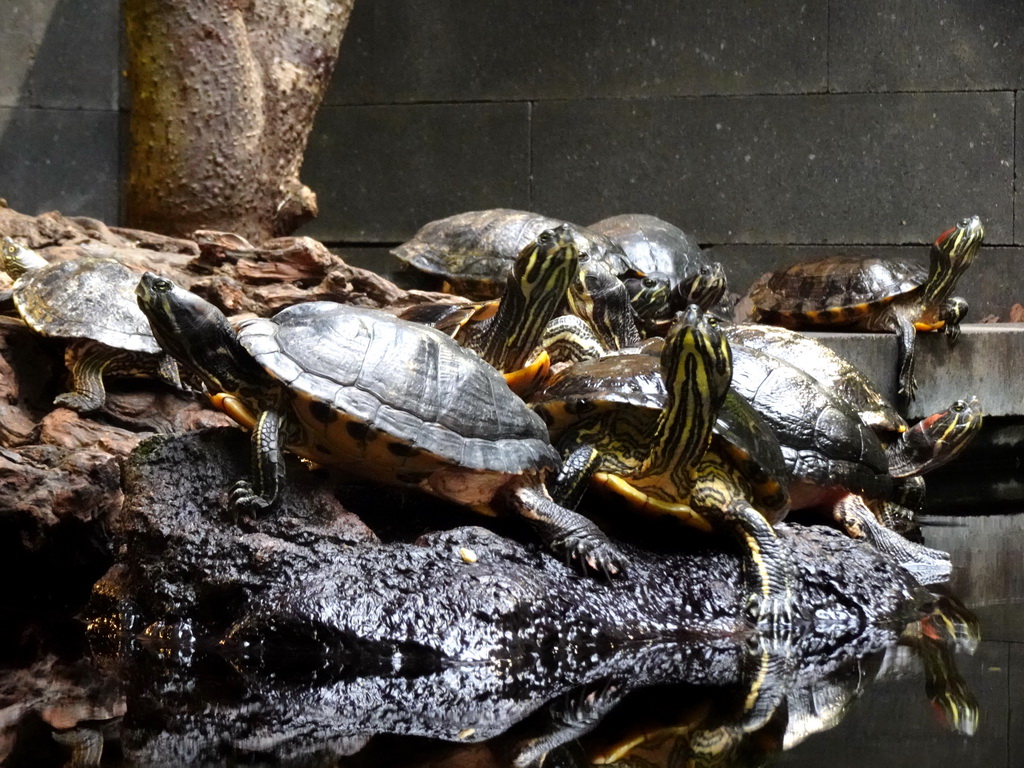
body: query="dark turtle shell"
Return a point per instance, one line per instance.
(848, 286)
(828, 368)
(369, 387)
(474, 250)
(654, 245)
(825, 444)
(86, 298)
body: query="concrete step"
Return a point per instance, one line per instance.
(987, 362)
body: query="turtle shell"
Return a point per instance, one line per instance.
(829, 369)
(654, 245)
(826, 446)
(86, 298)
(474, 250)
(396, 397)
(842, 288)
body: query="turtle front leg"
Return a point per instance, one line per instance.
(578, 467)
(262, 494)
(87, 362)
(906, 335)
(952, 314)
(569, 534)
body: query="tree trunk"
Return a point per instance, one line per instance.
(223, 100)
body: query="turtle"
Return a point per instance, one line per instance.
(876, 294)
(834, 461)
(383, 398)
(90, 302)
(664, 453)
(663, 251)
(506, 332)
(911, 452)
(474, 250)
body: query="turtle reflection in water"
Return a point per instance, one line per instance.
(91, 302)
(383, 398)
(789, 698)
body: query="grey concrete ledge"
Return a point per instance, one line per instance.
(987, 362)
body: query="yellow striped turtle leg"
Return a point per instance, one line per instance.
(88, 362)
(568, 534)
(262, 493)
(578, 467)
(772, 600)
(906, 334)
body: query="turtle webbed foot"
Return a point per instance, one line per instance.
(591, 555)
(245, 500)
(81, 402)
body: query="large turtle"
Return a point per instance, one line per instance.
(932, 442)
(380, 397)
(659, 248)
(834, 461)
(473, 251)
(673, 442)
(91, 303)
(876, 294)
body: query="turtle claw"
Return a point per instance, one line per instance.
(592, 557)
(244, 500)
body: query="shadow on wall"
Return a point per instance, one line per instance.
(59, 97)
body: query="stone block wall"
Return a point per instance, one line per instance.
(770, 130)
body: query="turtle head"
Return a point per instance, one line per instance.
(17, 259)
(697, 356)
(193, 332)
(953, 252)
(545, 267)
(603, 301)
(705, 288)
(696, 363)
(650, 295)
(534, 293)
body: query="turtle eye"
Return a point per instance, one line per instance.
(959, 406)
(649, 282)
(162, 286)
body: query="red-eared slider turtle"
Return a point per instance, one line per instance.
(876, 294)
(91, 303)
(834, 461)
(828, 368)
(661, 249)
(386, 399)
(507, 333)
(474, 251)
(931, 443)
(671, 459)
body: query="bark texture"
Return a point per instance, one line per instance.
(223, 100)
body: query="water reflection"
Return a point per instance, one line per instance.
(725, 702)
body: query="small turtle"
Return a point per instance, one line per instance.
(662, 250)
(675, 443)
(91, 303)
(876, 294)
(380, 397)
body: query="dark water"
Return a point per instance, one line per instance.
(877, 710)
(892, 723)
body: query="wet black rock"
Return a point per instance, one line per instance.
(315, 577)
